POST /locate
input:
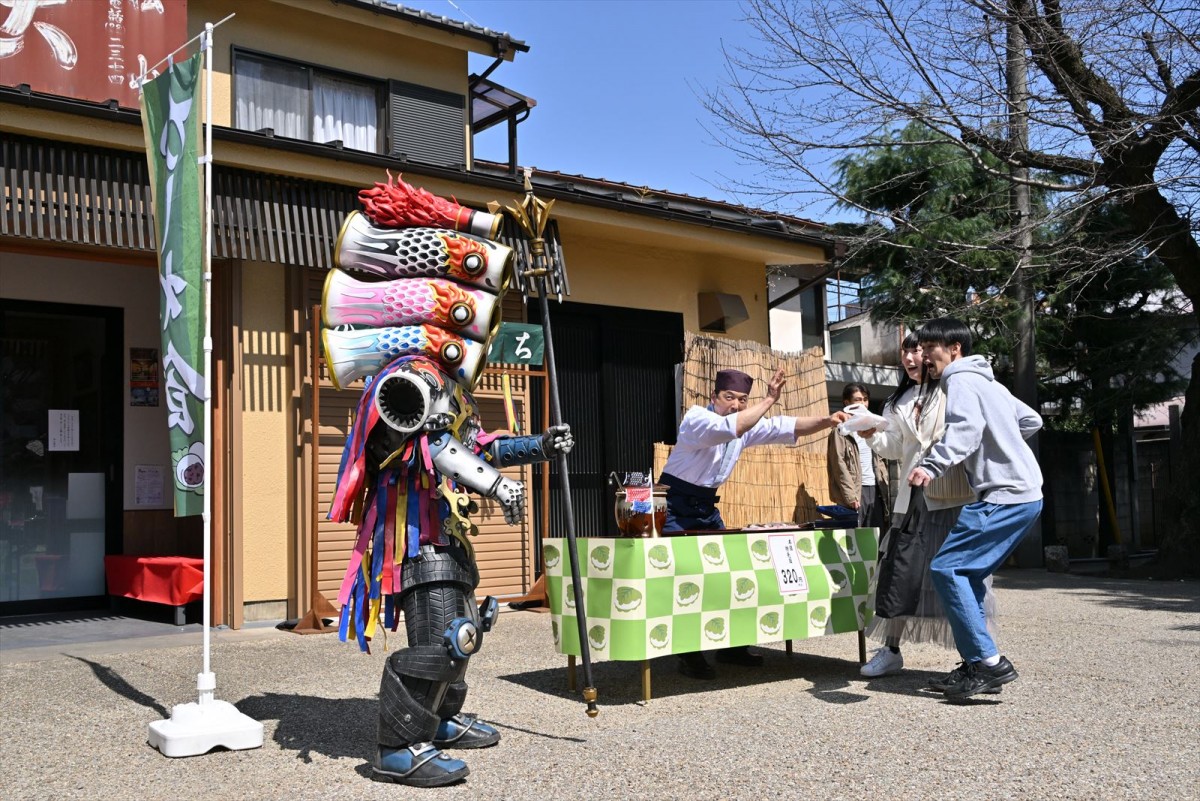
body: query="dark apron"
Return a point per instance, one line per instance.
(690, 507)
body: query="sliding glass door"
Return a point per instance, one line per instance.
(60, 453)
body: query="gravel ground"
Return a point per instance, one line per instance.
(1106, 708)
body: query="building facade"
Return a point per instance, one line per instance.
(312, 101)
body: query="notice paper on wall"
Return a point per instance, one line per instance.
(148, 482)
(64, 430)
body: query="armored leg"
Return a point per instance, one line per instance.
(422, 689)
(436, 585)
(455, 730)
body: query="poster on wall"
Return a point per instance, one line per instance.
(143, 376)
(148, 483)
(87, 49)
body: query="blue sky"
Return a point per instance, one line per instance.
(618, 85)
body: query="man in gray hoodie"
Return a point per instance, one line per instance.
(986, 429)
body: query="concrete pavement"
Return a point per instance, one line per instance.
(1106, 707)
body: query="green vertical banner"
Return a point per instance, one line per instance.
(170, 117)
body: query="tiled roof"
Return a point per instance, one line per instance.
(444, 23)
(660, 201)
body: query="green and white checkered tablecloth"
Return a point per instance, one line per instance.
(670, 595)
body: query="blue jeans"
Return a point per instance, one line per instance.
(986, 534)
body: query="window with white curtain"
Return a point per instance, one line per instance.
(302, 102)
(344, 110)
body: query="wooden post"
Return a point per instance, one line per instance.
(319, 607)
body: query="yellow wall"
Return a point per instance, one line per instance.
(615, 273)
(306, 32)
(265, 499)
(641, 262)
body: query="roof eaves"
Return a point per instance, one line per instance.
(642, 195)
(501, 42)
(681, 208)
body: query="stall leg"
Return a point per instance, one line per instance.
(645, 679)
(787, 647)
(571, 672)
(862, 647)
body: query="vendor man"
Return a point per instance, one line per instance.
(709, 443)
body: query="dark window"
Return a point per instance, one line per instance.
(812, 318)
(616, 374)
(304, 102)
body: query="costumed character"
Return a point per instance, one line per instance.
(419, 337)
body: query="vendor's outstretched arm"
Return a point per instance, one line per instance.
(813, 425)
(747, 417)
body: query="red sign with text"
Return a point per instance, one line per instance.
(88, 49)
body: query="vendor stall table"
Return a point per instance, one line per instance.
(172, 580)
(671, 595)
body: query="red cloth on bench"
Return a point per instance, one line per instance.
(172, 580)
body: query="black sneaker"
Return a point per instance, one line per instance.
(980, 678)
(954, 677)
(695, 666)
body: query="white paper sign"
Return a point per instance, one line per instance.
(64, 430)
(788, 571)
(148, 484)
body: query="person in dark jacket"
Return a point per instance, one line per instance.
(858, 477)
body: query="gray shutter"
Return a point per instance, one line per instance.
(427, 125)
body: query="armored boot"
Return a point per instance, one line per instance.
(418, 765)
(457, 730)
(423, 688)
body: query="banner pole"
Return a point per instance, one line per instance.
(206, 694)
(169, 56)
(198, 728)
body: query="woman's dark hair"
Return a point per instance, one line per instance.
(912, 340)
(849, 390)
(946, 331)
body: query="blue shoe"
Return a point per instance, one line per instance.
(465, 731)
(418, 765)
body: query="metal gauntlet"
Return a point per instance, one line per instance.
(457, 462)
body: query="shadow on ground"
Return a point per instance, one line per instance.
(338, 728)
(115, 682)
(1151, 596)
(619, 683)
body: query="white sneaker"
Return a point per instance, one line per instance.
(884, 663)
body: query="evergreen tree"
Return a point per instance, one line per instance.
(934, 244)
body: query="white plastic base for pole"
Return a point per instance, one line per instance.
(197, 728)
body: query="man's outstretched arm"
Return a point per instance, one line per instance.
(748, 417)
(814, 425)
